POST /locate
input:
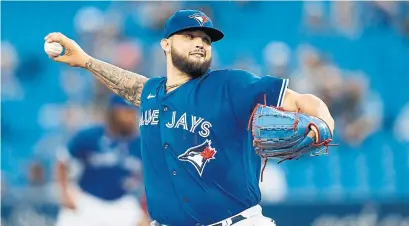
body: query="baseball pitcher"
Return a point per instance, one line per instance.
(205, 132)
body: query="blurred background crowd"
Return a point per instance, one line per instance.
(354, 55)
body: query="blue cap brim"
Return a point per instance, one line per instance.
(214, 34)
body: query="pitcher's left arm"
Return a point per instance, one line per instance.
(308, 104)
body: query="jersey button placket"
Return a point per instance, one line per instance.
(174, 172)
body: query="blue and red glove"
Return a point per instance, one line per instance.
(282, 135)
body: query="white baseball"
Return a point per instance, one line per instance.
(53, 48)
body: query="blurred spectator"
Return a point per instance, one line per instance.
(37, 183)
(358, 111)
(10, 85)
(153, 15)
(89, 20)
(314, 16)
(27, 208)
(344, 18)
(316, 76)
(248, 63)
(36, 175)
(380, 14)
(128, 55)
(276, 57)
(65, 117)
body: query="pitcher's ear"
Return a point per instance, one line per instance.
(165, 44)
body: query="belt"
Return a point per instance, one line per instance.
(233, 220)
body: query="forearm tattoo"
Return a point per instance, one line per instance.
(125, 83)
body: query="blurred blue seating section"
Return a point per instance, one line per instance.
(355, 55)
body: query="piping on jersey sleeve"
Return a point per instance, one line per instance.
(283, 90)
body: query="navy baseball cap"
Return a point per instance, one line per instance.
(116, 101)
(183, 20)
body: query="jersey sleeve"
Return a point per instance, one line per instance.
(246, 90)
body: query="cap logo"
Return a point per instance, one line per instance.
(200, 18)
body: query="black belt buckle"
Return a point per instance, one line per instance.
(233, 220)
(237, 219)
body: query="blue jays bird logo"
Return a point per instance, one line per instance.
(199, 155)
(200, 18)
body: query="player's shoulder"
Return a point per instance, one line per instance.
(152, 84)
(154, 81)
(213, 72)
(241, 72)
(218, 75)
(156, 78)
(228, 76)
(230, 72)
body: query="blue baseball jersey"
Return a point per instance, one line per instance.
(108, 164)
(199, 163)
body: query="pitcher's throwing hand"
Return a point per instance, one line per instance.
(73, 55)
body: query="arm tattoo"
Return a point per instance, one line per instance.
(125, 83)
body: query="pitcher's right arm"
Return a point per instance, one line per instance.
(125, 83)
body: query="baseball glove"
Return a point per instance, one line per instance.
(282, 135)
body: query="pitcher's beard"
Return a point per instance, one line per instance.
(192, 68)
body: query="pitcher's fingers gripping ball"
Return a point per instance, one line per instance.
(53, 49)
(73, 55)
